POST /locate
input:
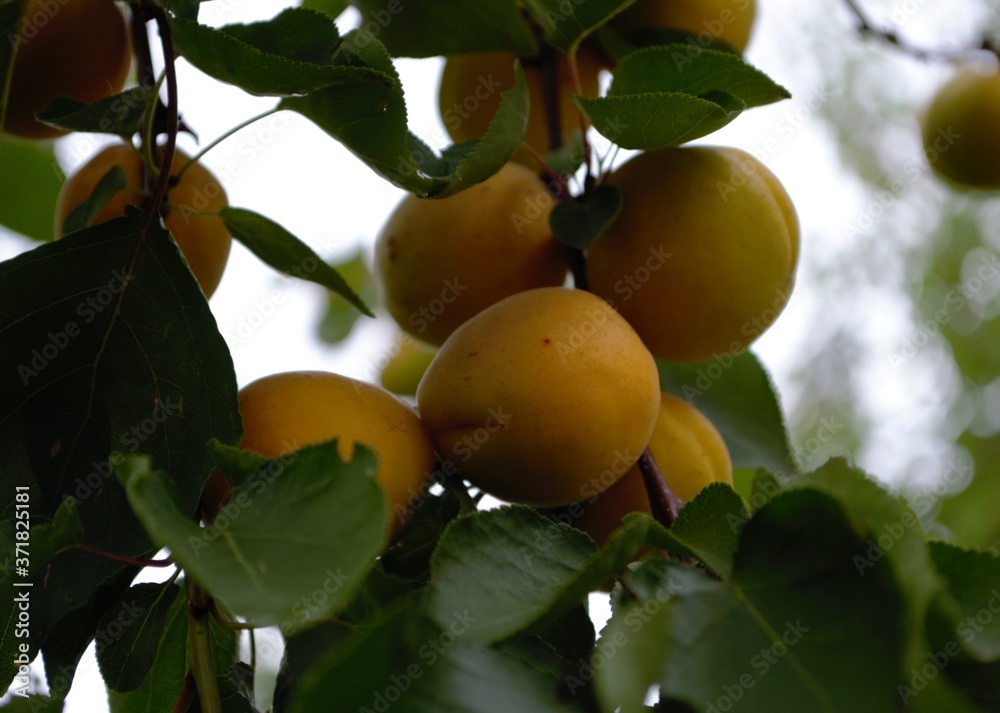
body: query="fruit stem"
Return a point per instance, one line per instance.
(163, 180)
(574, 70)
(200, 649)
(208, 147)
(663, 503)
(578, 266)
(146, 77)
(228, 622)
(122, 559)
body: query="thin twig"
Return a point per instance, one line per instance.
(122, 559)
(867, 27)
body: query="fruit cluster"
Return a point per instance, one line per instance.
(542, 394)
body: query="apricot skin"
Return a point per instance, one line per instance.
(702, 259)
(537, 395)
(730, 21)
(470, 95)
(959, 131)
(439, 262)
(690, 454)
(203, 239)
(285, 412)
(81, 50)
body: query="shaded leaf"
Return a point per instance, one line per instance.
(30, 179)
(120, 114)
(580, 222)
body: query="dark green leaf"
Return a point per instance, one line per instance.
(50, 538)
(286, 253)
(261, 70)
(768, 640)
(161, 687)
(129, 634)
(293, 544)
(974, 585)
(513, 568)
(410, 664)
(579, 223)
(333, 8)
(84, 214)
(430, 28)
(113, 350)
(120, 114)
(237, 465)
(568, 158)
(30, 179)
(736, 394)
(370, 120)
(566, 23)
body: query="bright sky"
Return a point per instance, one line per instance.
(293, 173)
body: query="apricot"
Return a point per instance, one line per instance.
(959, 130)
(470, 95)
(535, 397)
(285, 412)
(702, 259)
(441, 261)
(729, 21)
(203, 239)
(72, 48)
(690, 454)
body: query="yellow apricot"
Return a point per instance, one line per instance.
(439, 262)
(72, 48)
(959, 130)
(203, 239)
(285, 412)
(690, 454)
(470, 95)
(534, 398)
(729, 21)
(702, 259)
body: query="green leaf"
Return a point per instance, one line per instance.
(769, 639)
(50, 538)
(431, 28)
(674, 68)
(370, 120)
(340, 317)
(580, 222)
(162, 685)
(709, 527)
(113, 349)
(973, 580)
(30, 179)
(565, 24)
(263, 59)
(120, 114)
(333, 8)
(737, 396)
(84, 214)
(512, 568)
(893, 540)
(304, 529)
(665, 96)
(129, 634)
(408, 663)
(286, 253)
(237, 465)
